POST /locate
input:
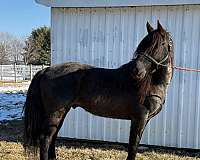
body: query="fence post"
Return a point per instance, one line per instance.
(15, 70)
(42, 66)
(31, 71)
(24, 72)
(1, 72)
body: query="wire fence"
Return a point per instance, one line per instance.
(19, 72)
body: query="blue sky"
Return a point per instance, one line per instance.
(19, 17)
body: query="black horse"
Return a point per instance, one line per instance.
(135, 91)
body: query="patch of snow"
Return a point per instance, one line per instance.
(11, 105)
(14, 113)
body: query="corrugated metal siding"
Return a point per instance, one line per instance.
(107, 37)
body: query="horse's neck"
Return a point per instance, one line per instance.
(160, 89)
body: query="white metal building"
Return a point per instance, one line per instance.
(105, 33)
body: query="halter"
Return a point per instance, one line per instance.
(151, 59)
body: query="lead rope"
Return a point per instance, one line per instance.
(175, 67)
(186, 69)
(163, 65)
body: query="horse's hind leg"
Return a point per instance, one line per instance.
(49, 129)
(52, 153)
(137, 127)
(46, 136)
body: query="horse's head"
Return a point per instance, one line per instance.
(153, 52)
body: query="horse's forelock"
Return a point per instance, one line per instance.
(156, 40)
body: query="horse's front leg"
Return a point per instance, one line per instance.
(137, 127)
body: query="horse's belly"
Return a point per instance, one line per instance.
(115, 107)
(110, 114)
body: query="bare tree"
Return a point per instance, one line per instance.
(11, 49)
(29, 51)
(3, 53)
(17, 50)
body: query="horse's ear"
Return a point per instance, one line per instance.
(149, 27)
(160, 28)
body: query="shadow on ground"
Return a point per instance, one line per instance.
(144, 149)
(11, 131)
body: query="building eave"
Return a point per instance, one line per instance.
(113, 3)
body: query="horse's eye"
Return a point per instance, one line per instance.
(148, 39)
(135, 56)
(163, 43)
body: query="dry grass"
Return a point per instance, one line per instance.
(14, 150)
(12, 83)
(11, 148)
(11, 151)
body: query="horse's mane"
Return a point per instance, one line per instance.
(144, 85)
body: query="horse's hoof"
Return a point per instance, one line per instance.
(130, 158)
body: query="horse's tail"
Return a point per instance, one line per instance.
(33, 115)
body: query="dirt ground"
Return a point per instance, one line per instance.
(11, 148)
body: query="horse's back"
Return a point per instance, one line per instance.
(60, 83)
(60, 70)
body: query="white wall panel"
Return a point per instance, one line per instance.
(107, 37)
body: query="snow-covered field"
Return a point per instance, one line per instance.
(12, 98)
